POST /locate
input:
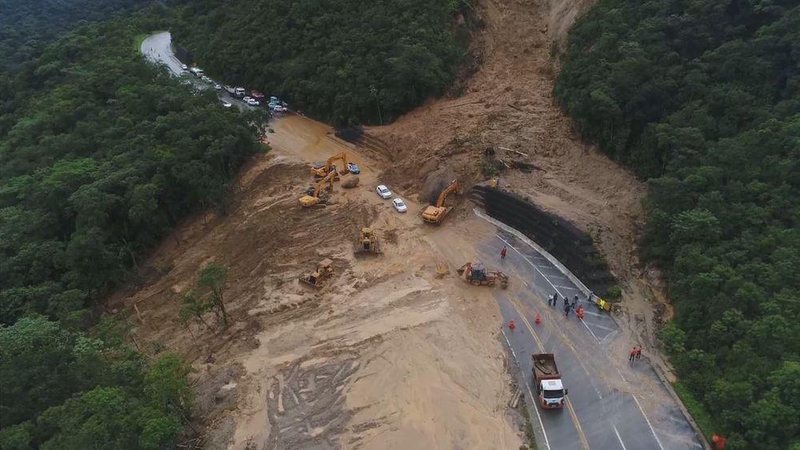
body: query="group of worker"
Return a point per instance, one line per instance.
(578, 308)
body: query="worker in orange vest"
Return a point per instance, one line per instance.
(719, 442)
(579, 312)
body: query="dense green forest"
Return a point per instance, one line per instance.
(703, 99)
(27, 25)
(343, 61)
(100, 155)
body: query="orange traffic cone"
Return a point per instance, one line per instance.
(511, 325)
(538, 319)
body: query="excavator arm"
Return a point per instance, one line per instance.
(324, 170)
(443, 196)
(311, 200)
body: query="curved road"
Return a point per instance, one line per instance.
(608, 408)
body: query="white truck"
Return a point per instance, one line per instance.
(547, 381)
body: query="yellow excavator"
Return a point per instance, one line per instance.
(323, 171)
(435, 213)
(313, 196)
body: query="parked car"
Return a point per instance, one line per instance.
(239, 92)
(353, 168)
(399, 205)
(206, 79)
(383, 191)
(246, 98)
(217, 86)
(279, 108)
(253, 102)
(184, 67)
(227, 104)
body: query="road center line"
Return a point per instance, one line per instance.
(574, 416)
(528, 388)
(619, 438)
(584, 442)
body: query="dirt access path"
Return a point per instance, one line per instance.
(385, 355)
(508, 105)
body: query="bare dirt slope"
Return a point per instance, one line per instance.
(385, 355)
(508, 105)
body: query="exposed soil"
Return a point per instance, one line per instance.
(508, 106)
(384, 354)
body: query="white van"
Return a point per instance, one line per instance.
(239, 92)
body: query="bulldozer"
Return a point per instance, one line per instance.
(323, 272)
(314, 195)
(436, 213)
(321, 172)
(368, 242)
(478, 275)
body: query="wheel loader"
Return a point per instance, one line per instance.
(368, 242)
(318, 277)
(477, 275)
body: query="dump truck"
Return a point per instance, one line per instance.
(476, 273)
(547, 381)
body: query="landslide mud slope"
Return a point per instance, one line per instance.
(508, 105)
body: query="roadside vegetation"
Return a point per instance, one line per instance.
(26, 26)
(101, 154)
(343, 62)
(703, 99)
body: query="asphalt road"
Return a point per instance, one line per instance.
(157, 48)
(605, 409)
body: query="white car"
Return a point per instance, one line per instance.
(246, 98)
(206, 79)
(227, 104)
(184, 67)
(253, 102)
(383, 191)
(399, 205)
(218, 87)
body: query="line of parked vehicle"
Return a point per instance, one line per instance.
(397, 202)
(255, 98)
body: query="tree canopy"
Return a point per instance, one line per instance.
(344, 61)
(67, 390)
(703, 99)
(26, 26)
(100, 155)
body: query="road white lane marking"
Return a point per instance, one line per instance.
(619, 438)
(608, 336)
(658, 441)
(595, 314)
(603, 328)
(571, 288)
(528, 388)
(621, 375)
(546, 279)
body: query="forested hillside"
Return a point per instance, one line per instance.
(703, 98)
(344, 61)
(27, 25)
(100, 155)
